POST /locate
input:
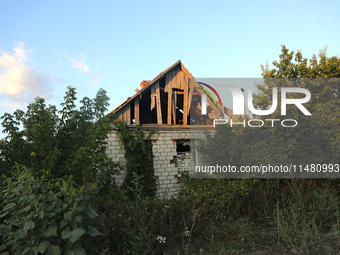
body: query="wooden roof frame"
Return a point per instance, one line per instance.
(178, 81)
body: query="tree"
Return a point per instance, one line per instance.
(68, 143)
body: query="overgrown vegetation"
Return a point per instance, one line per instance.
(138, 154)
(40, 220)
(54, 144)
(225, 216)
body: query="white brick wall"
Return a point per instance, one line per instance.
(164, 150)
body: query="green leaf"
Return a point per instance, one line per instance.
(65, 205)
(57, 211)
(41, 214)
(50, 214)
(49, 207)
(29, 225)
(78, 251)
(78, 218)
(43, 246)
(63, 223)
(5, 229)
(27, 250)
(93, 231)
(68, 216)
(27, 208)
(65, 233)
(53, 250)
(51, 231)
(73, 235)
(18, 252)
(4, 214)
(21, 233)
(8, 206)
(33, 251)
(91, 213)
(2, 247)
(30, 251)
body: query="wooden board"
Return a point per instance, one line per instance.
(169, 102)
(158, 103)
(153, 98)
(126, 114)
(168, 89)
(185, 86)
(137, 110)
(174, 100)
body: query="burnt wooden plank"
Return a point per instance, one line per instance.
(158, 104)
(153, 99)
(137, 110)
(191, 84)
(168, 89)
(176, 80)
(168, 79)
(128, 114)
(169, 102)
(185, 86)
(123, 115)
(120, 117)
(174, 99)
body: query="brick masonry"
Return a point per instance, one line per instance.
(168, 163)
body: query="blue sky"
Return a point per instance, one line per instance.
(47, 45)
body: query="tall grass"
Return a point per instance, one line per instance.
(225, 217)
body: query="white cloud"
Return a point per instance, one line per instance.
(75, 63)
(95, 83)
(79, 64)
(20, 83)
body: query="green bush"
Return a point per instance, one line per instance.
(39, 219)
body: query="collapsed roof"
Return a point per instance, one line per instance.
(169, 99)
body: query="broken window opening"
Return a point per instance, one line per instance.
(183, 159)
(183, 146)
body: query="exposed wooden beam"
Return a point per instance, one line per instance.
(174, 99)
(128, 114)
(153, 98)
(169, 105)
(168, 88)
(185, 85)
(158, 104)
(137, 110)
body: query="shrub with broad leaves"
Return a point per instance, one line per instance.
(38, 218)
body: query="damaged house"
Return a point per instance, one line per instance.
(170, 104)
